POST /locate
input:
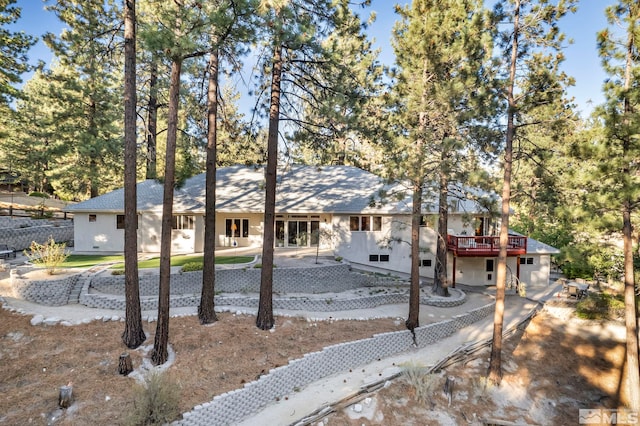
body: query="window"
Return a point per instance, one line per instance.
(425, 262)
(92, 218)
(182, 222)
(120, 221)
(365, 223)
(489, 265)
(526, 260)
(480, 227)
(235, 228)
(378, 258)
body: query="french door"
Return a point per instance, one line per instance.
(297, 232)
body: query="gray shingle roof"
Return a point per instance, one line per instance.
(149, 197)
(535, 246)
(301, 189)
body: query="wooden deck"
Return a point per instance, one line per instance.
(464, 246)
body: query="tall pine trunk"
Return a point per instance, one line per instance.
(133, 334)
(206, 310)
(94, 184)
(440, 276)
(413, 320)
(630, 313)
(264, 319)
(630, 310)
(495, 362)
(160, 352)
(152, 120)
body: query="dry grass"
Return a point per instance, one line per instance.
(556, 366)
(550, 371)
(210, 360)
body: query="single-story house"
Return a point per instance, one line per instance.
(341, 208)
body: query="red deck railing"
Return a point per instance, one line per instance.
(485, 246)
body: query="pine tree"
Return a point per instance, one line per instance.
(152, 120)
(133, 334)
(620, 167)
(532, 50)
(13, 55)
(264, 319)
(36, 148)
(442, 50)
(87, 48)
(206, 309)
(165, 29)
(339, 122)
(295, 33)
(224, 37)
(237, 142)
(180, 32)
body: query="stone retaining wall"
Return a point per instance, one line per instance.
(320, 279)
(150, 303)
(231, 407)
(107, 292)
(51, 292)
(19, 233)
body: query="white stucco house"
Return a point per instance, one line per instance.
(340, 208)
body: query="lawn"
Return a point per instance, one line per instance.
(182, 260)
(87, 261)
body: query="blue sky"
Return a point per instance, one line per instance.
(582, 60)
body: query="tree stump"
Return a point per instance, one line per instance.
(66, 396)
(124, 365)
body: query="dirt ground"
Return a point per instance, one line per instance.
(209, 360)
(558, 365)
